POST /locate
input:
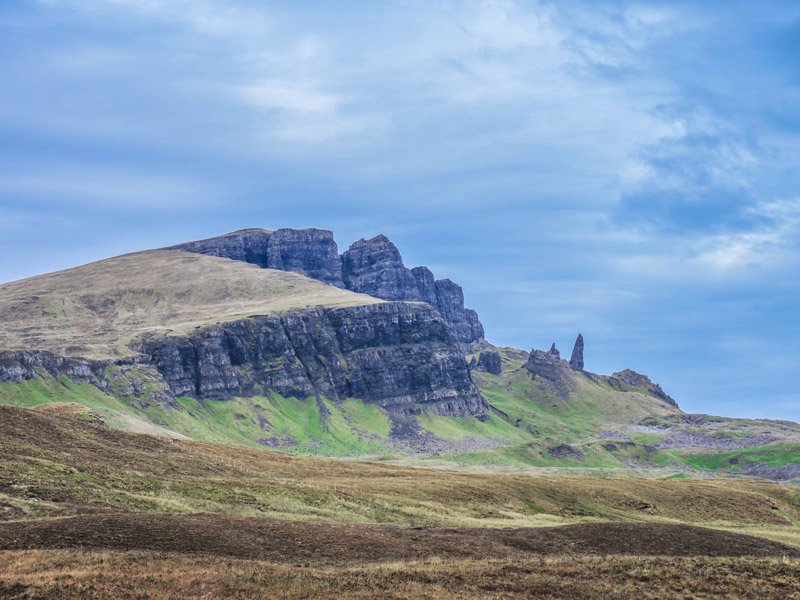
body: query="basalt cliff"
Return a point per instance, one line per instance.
(200, 321)
(372, 267)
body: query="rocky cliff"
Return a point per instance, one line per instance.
(375, 267)
(310, 252)
(372, 267)
(400, 356)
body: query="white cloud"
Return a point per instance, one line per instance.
(289, 96)
(768, 245)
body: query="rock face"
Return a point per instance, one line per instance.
(310, 252)
(554, 370)
(636, 381)
(400, 356)
(375, 267)
(489, 361)
(548, 365)
(576, 361)
(25, 365)
(124, 377)
(372, 267)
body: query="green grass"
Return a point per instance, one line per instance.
(309, 426)
(771, 455)
(459, 428)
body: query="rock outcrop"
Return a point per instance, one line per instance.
(576, 360)
(19, 366)
(310, 252)
(489, 361)
(375, 267)
(556, 372)
(372, 267)
(400, 356)
(128, 377)
(548, 365)
(629, 380)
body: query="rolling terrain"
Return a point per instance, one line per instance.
(256, 412)
(78, 500)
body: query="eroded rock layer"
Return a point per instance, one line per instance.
(373, 267)
(400, 356)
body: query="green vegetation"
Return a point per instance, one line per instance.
(310, 426)
(770, 455)
(57, 464)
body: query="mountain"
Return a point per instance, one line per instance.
(372, 267)
(274, 339)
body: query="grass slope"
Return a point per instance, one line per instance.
(601, 429)
(96, 310)
(350, 428)
(56, 464)
(89, 575)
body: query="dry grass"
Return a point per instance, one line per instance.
(62, 465)
(96, 310)
(68, 574)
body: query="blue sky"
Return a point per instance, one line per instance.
(628, 170)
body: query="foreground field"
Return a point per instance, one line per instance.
(63, 574)
(56, 463)
(87, 511)
(332, 543)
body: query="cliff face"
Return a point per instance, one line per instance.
(400, 356)
(310, 252)
(372, 267)
(375, 267)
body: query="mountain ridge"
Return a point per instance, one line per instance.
(215, 344)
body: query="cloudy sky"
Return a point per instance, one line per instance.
(628, 170)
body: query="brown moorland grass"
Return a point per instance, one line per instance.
(73, 574)
(96, 310)
(334, 543)
(58, 465)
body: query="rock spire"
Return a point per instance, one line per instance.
(576, 361)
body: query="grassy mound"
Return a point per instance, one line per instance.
(96, 310)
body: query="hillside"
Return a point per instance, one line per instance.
(96, 310)
(89, 511)
(254, 338)
(156, 326)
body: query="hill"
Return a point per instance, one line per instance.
(254, 338)
(97, 310)
(89, 511)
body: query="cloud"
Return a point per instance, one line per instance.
(289, 96)
(106, 187)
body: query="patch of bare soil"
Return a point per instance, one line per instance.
(328, 543)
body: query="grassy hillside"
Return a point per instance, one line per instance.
(596, 430)
(88, 511)
(603, 429)
(310, 426)
(96, 310)
(59, 462)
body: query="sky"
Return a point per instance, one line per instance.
(628, 170)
